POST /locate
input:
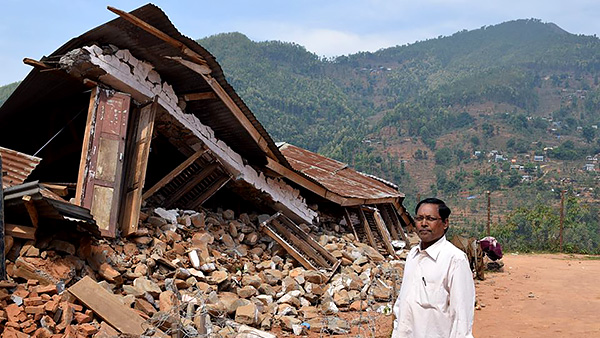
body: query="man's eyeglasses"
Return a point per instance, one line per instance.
(426, 218)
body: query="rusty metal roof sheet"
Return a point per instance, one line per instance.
(336, 176)
(16, 166)
(146, 46)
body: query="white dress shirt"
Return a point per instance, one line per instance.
(437, 297)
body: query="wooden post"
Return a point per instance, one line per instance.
(2, 258)
(489, 212)
(562, 217)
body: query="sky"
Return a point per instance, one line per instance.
(327, 28)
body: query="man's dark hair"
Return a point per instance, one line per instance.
(443, 209)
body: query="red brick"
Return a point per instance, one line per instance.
(32, 301)
(13, 311)
(87, 329)
(36, 309)
(48, 289)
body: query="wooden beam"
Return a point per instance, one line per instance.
(306, 249)
(31, 210)
(216, 186)
(19, 231)
(174, 173)
(191, 183)
(86, 146)
(159, 34)
(385, 235)
(108, 307)
(391, 225)
(349, 221)
(367, 228)
(306, 237)
(60, 190)
(36, 63)
(305, 263)
(199, 96)
(2, 236)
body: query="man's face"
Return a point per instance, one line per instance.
(430, 226)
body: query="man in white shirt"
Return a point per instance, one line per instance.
(437, 297)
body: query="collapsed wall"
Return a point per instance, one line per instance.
(122, 71)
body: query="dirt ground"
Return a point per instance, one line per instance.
(540, 296)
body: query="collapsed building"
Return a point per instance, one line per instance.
(132, 116)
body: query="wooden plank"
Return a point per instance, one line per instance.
(31, 210)
(58, 189)
(174, 173)
(216, 186)
(87, 135)
(199, 96)
(19, 231)
(306, 249)
(308, 239)
(305, 263)
(366, 227)
(159, 34)
(349, 222)
(385, 235)
(391, 225)
(191, 183)
(137, 164)
(101, 164)
(108, 307)
(2, 235)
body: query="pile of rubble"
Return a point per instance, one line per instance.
(192, 273)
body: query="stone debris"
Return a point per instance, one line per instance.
(197, 276)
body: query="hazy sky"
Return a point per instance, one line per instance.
(328, 28)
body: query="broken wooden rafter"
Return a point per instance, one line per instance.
(383, 232)
(199, 96)
(31, 210)
(299, 244)
(159, 34)
(36, 64)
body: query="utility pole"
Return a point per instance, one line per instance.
(2, 258)
(562, 217)
(489, 214)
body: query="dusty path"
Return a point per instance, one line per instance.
(540, 296)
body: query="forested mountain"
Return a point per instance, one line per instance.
(451, 116)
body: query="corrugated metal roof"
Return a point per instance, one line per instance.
(336, 176)
(16, 166)
(147, 47)
(48, 207)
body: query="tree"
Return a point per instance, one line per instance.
(588, 133)
(443, 156)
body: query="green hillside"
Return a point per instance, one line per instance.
(450, 116)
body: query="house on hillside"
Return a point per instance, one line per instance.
(538, 158)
